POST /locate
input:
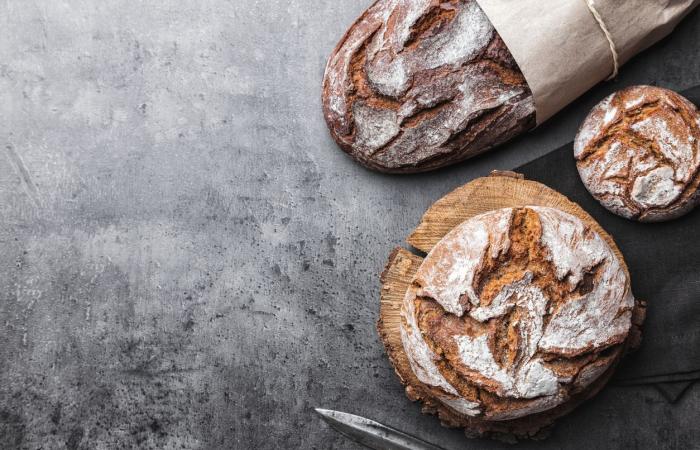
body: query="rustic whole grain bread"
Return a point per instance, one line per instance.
(515, 313)
(638, 153)
(419, 84)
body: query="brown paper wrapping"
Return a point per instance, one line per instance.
(562, 50)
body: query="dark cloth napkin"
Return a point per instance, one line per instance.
(664, 262)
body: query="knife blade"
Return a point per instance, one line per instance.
(372, 434)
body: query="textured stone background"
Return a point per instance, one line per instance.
(188, 261)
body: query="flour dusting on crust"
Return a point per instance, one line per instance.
(447, 281)
(590, 311)
(591, 319)
(638, 153)
(437, 78)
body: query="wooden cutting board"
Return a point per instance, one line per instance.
(499, 190)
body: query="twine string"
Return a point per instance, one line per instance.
(608, 36)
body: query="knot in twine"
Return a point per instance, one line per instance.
(608, 36)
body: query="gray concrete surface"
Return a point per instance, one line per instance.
(188, 261)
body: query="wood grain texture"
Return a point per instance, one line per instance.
(501, 190)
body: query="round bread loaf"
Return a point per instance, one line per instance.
(638, 153)
(419, 84)
(516, 312)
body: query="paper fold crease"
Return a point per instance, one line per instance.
(562, 50)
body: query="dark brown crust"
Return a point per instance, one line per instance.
(525, 255)
(598, 139)
(535, 426)
(403, 119)
(396, 279)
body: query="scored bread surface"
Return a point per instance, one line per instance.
(419, 84)
(514, 312)
(638, 153)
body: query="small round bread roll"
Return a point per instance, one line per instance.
(515, 314)
(638, 153)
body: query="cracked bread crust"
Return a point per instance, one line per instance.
(419, 84)
(500, 190)
(514, 317)
(638, 154)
